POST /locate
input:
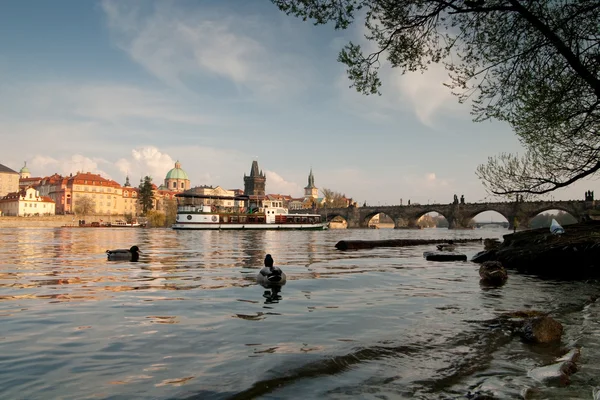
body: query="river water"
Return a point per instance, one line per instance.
(189, 322)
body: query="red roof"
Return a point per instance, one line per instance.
(88, 178)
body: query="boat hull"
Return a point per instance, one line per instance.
(263, 227)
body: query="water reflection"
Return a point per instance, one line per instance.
(189, 317)
(272, 295)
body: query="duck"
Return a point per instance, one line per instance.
(133, 254)
(270, 275)
(446, 247)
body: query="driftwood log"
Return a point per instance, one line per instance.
(371, 244)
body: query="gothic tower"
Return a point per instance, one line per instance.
(254, 185)
(311, 190)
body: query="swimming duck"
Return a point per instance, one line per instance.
(133, 254)
(270, 275)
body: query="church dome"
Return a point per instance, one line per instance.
(24, 170)
(177, 173)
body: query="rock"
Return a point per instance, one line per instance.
(483, 256)
(559, 372)
(489, 244)
(554, 374)
(493, 273)
(541, 330)
(539, 252)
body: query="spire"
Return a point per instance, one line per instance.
(177, 164)
(254, 171)
(311, 180)
(127, 184)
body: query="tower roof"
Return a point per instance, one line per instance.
(4, 168)
(254, 170)
(311, 181)
(177, 173)
(24, 170)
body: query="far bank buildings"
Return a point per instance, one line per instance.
(24, 195)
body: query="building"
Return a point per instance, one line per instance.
(217, 196)
(26, 180)
(9, 180)
(27, 202)
(311, 191)
(176, 180)
(277, 201)
(254, 184)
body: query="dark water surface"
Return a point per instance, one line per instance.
(188, 321)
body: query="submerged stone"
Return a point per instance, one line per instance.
(541, 330)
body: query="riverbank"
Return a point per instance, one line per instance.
(50, 221)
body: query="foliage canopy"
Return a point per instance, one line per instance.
(146, 196)
(534, 64)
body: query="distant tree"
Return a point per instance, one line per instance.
(333, 199)
(85, 205)
(146, 196)
(128, 217)
(170, 206)
(156, 219)
(534, 64)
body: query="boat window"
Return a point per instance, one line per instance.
(234, 219)
(225, 218)
(251, 219)
(261, 220)
(243, 219)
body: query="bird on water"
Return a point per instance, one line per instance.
(133, 254)
(270, 275)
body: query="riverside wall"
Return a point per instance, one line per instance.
(50, 221)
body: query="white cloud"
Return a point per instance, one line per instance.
(276, 184)
(423, 93)
(430, 177)
(146, 161)
(67, 165)
(176, 44)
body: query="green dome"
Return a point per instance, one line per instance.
(177, 173)
(24, 169)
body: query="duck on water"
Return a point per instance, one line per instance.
(133, 254)
(270, 275)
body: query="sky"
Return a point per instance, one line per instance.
(129, 87)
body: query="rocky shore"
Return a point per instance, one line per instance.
(575, 254)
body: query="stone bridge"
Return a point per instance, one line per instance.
(458, 215)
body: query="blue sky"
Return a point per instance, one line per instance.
(118, 87)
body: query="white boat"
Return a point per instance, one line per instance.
(123, 224)
(193, 212)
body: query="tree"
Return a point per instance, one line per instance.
(170, 212)
(532, 64)
(156, 219)
(146, 196)
(333, 199)
(85, 205)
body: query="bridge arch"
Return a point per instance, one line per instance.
(471, 215)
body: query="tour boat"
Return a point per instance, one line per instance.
(196, 211)
(123, 224)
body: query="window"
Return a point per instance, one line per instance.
(175, 184)
(182, 185)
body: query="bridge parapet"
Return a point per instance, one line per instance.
(458, 215)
